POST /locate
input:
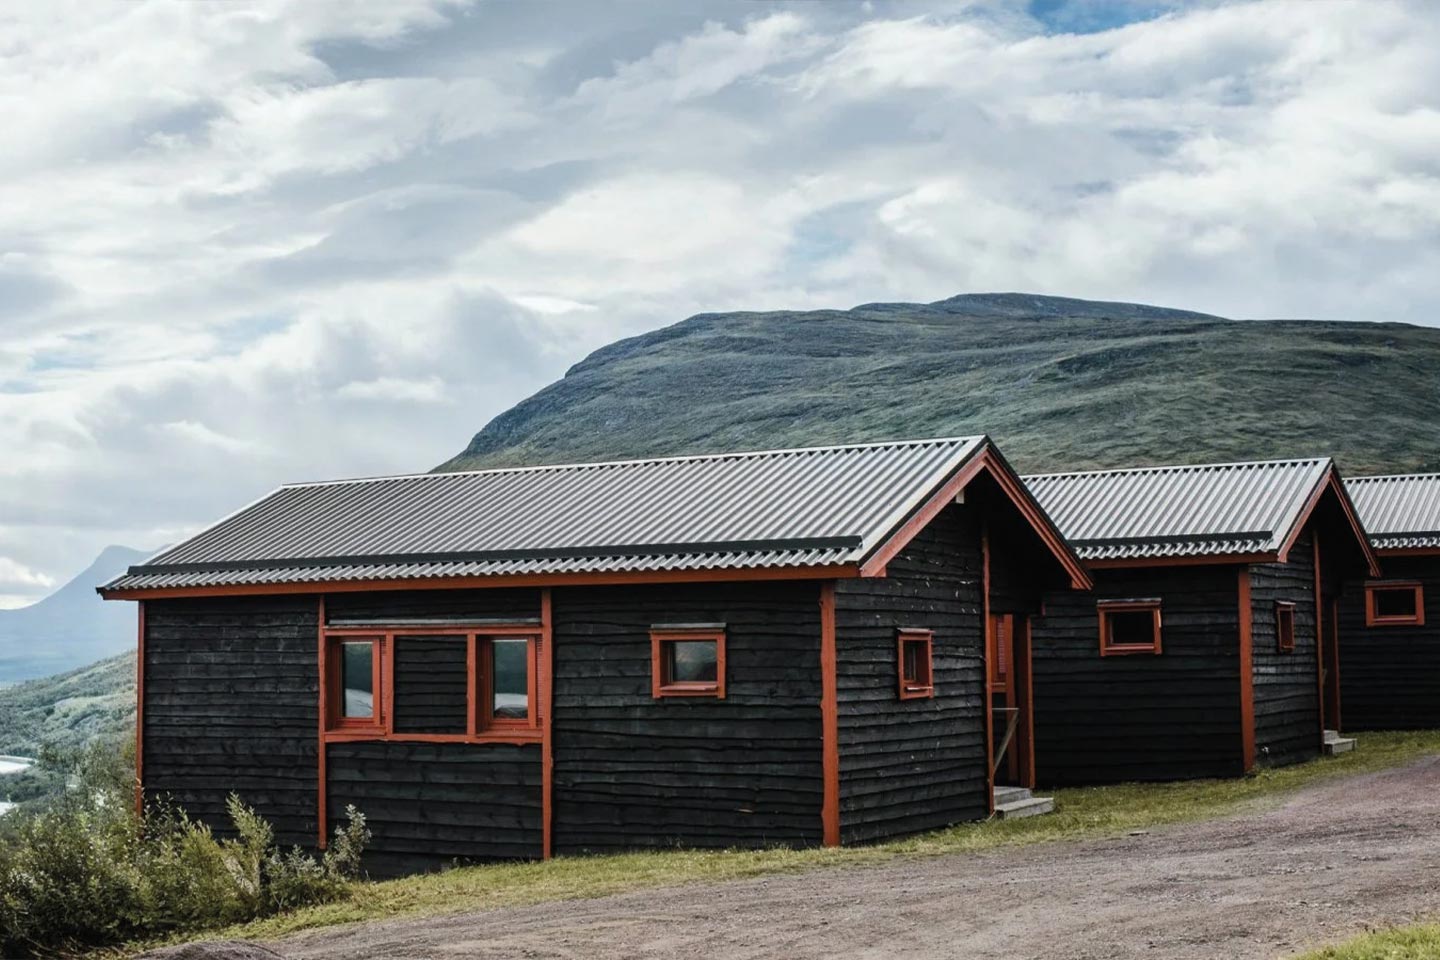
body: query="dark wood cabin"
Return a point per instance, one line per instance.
(1201, 651)
(753, 649)
(1390, 626)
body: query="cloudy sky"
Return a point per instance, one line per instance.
(243, 243)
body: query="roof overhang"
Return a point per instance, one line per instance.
(1331, 483)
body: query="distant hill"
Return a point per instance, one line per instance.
(71, 627)
(71, 709)
(1059, 383)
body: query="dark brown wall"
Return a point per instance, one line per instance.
(1287, 685)
(1390, 676)
(913, 765)
(1170, 716)
(632, 771)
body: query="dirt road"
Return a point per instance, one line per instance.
(1332, 860)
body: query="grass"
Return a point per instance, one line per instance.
(1080, 813)
(1419, 942)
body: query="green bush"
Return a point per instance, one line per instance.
(87, 871)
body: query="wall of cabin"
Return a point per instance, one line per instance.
(913, 765)
(1390, 675)
(633, 771)
(231, 694)
(1286, 685)
(431, 804)
(1168, 716)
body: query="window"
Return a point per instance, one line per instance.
(1285, 626)
(1394, 604)
(914, 649)
(447, 683)
(1129, 626)
(687, 661)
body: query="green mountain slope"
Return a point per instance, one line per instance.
(1059, 383)
(70, 709)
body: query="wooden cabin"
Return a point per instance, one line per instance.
(1390, 627)
(749, 649)
(1203, 649)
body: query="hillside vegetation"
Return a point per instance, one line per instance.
(1058, 383)
(69, 710)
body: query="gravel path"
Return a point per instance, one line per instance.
(1333, 860)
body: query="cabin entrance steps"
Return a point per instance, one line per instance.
(1011, 803)
(1336, 744)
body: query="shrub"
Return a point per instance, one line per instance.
(86, 871)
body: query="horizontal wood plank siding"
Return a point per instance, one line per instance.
(913, 765)
(1390, 675)
(456, 605)
(433, 804)
(1171, 716)
(633, 771)
(1287, 688)
(231, 705)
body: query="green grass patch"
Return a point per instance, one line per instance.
(1419, 942)
(1081, 813)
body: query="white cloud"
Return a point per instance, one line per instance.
(254, 242)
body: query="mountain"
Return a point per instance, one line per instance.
(71, 709)
(71, 627)
(1059, 383)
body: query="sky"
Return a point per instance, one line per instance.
(249, 243)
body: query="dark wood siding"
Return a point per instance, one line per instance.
(1390, 676)
(1287, 685)
(1170, 716)
(632, 771)
(231, 700)
(430, 804)
(456, 605)
(432, 684)
(913, 765)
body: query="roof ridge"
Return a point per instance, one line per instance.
(1176, 467)
(732, 455)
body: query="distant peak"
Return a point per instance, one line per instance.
(1039, 305)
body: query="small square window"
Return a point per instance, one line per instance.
(1285, 626)
(1129, 626)
(687, 662)
(914, 651)
(1394, 605)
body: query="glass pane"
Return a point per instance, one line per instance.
(512, 680)
(914, 662)
(357, 679)
(693, 661)
(1395, 603)
(431, 684)
(1132, 628)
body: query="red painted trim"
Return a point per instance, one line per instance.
(1373, 619)
(1319, 636)
(140, 710)
(1208, 560)
(1014, 489)
(839, 571)
(472, 684)
(829, 720)
(1330, 482)
(986, 646)
(661, 686)
(1333, 677)
(545, 708)
(1285, 632)
(921, 687)
(495, 735)
(1023, 683)
(1103, 609)
(1247, 670)
(321, 776)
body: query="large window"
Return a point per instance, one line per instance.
(687, 661)
(1129, 626)
(445, 683)
(1394, 604)
(1284, 626)
(914, 650)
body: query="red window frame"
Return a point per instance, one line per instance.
(1284, 626)
(922, 685)
(1108, 648)
(1375, 619)
(481, 726)
(661, 686)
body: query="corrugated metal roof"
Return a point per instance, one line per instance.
(1181, 511)
(1400, 512)
(780, 508)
